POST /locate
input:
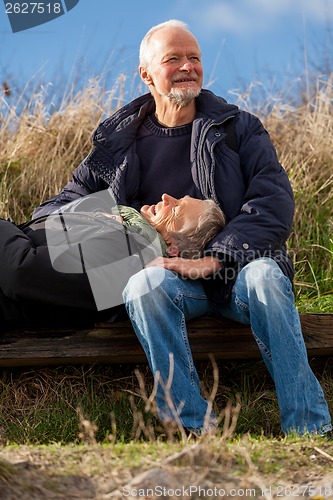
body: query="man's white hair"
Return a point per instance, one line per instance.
(145, 49)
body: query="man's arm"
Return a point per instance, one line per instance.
(264, 221)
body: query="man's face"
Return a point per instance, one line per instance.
(172, 214)
(175, 69)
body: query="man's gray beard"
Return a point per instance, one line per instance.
(183, 97)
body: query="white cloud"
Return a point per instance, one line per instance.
(322, 10)
(269, 8)
(250, 16)
(222, 15)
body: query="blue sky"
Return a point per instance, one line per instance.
(242, 41)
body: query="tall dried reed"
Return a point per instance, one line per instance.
(40, 149)
(304, 140)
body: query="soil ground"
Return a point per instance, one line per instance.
(255, 468)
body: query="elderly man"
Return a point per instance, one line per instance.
(182, 139)
(68, 266)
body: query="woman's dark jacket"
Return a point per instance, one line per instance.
(70, 268)
(250, 185)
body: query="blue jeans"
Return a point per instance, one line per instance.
(262, 297)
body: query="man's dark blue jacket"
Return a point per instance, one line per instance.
(249, 184)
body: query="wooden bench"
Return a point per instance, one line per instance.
(117, 343)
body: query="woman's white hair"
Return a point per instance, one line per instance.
(145, 47)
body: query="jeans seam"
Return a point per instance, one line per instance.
(239, 303)
(184, 336)
(289, 286)
(188, 350)
(262, 346)
(197, 296)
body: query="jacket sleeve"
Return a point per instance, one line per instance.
(84, 181)
(264, 221)
(26, 273)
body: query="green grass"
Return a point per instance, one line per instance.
(250, 466)
(44, 406)
(96, 405)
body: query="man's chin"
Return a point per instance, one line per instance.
(183, 97)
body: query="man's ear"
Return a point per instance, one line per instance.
(145, 76)
(172, 250)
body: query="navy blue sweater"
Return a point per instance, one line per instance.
(164, 154)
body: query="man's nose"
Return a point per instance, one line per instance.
(186, 66)
(168, 199)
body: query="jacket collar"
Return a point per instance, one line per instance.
(214, 107)
(119, 131)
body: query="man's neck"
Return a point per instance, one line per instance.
(170, 115)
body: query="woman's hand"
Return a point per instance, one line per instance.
(188, 268)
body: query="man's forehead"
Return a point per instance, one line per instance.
(169, 37)
(187, 201)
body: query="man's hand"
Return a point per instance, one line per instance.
(188, 268)
(112, 216)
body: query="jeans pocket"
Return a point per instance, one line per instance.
(241, 305)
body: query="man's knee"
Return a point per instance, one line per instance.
(261, 271)
(264, 280)
(148, 280)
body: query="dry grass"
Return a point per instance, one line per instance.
(96, 404)
(40, 149)
(305, 147)
(87, 466)
(106, 404)
(304, 140)
(209, 468)
(303, 137)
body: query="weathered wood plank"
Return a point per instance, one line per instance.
(117, 343)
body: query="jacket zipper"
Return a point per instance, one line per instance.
(205, 168)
